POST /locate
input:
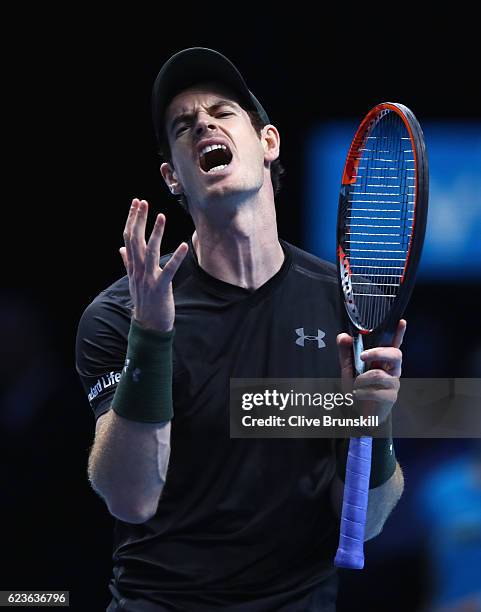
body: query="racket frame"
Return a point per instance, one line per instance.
(382, 335)
(350, 553)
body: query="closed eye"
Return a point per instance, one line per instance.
(181, 129)
(185, 125)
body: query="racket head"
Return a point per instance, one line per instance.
(382, 215)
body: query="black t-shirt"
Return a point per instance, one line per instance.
(239, 520)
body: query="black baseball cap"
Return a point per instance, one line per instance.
(192, 66)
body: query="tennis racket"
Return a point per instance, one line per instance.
(381, 224)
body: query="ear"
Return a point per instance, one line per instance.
(271, 142)
(171, 180)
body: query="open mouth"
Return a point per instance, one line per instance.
(215, 158)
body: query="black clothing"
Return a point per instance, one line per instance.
(239, 520)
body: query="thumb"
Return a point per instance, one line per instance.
(123, 254)
(344, 349)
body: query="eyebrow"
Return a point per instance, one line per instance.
(212, 108)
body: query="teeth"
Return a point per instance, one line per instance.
(212, 148)
(217, 168)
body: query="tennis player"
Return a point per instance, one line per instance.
(206, 522)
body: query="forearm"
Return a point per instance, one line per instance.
(381, 501)
(128, 465)
(129, 460)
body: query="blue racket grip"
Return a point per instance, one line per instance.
(350, 553)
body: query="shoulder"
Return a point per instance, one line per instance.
(309, 265)
(115, 297)
(118, 292)
(110, 310)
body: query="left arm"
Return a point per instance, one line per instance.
(377, 389)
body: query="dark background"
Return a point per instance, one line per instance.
(81, 147)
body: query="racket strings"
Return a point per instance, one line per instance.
(379, 219)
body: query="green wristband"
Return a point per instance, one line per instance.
(383, 461)
(383, 458)
(144, 392)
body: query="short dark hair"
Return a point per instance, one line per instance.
(277, 169)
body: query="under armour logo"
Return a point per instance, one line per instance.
(135, 374)
(302, 337)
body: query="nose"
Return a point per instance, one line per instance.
(204, 123)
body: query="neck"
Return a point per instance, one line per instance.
(242, 249)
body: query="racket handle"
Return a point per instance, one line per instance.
(350, 553)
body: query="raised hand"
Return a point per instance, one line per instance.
(150, 285)
(378, 386)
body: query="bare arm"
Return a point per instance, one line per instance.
(382, 501)
(128, 465)
(129, 459)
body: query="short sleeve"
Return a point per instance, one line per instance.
(101, 348)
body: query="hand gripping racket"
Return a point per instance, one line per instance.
(381, 223)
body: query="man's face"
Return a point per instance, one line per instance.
(216, 152)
